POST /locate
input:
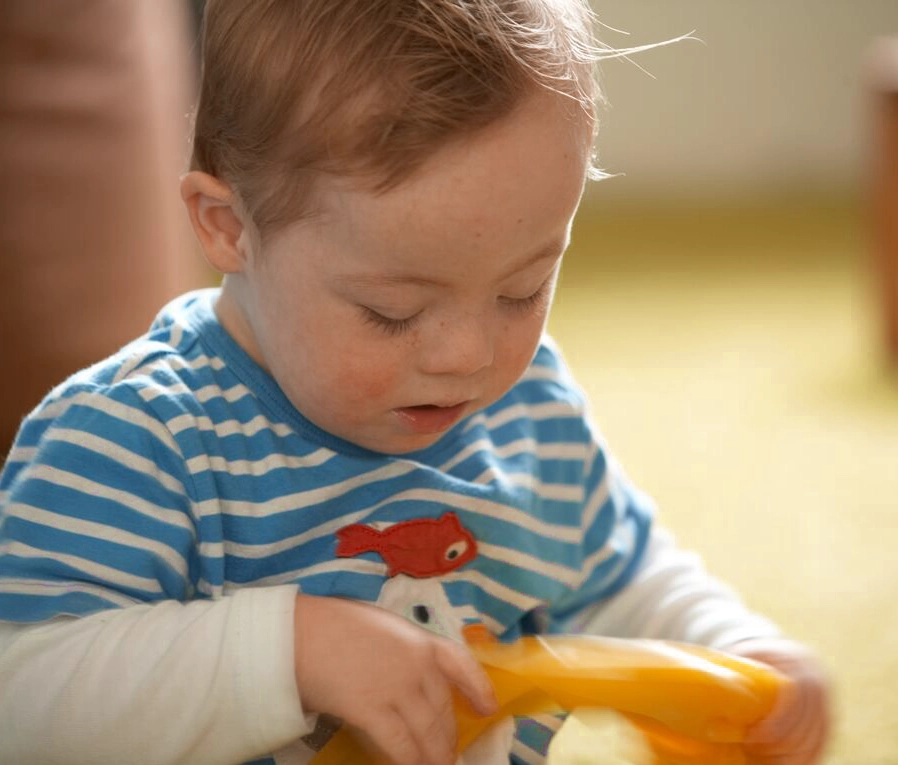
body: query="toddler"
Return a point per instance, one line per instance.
(283, 508)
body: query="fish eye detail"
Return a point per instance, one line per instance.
(456, 550)
(420, 613)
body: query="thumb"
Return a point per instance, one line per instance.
(463, 671)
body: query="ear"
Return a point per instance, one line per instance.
(216, 219)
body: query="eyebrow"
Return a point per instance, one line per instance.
(399, 279)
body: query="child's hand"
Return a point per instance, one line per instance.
(386, 677)
(796, 731)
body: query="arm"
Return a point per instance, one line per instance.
(203, 683)
(102, 523)
(672, 597)
(106, 652)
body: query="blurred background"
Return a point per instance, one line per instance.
(725, 303)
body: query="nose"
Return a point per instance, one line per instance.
(461, 346)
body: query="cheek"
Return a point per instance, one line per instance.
(519, 343)
(364, 370)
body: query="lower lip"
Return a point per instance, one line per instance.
(430, 419)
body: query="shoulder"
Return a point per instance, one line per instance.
(129, 395)
(549, 379)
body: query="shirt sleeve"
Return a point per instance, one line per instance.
(98, 510)
(672, 597)
(117, 643)
(205, 683)
(634, 580)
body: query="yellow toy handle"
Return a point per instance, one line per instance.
(693, 704)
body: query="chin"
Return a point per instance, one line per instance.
(394, 444)
(399, 446)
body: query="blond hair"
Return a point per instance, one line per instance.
(292, 89)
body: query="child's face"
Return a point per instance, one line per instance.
(389, 318)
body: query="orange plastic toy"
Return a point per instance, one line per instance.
(694, 705)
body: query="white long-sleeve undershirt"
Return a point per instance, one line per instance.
(673, 597)
(205, 683)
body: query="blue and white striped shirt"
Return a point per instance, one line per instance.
(178, 470)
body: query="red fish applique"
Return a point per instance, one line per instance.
(420, 548)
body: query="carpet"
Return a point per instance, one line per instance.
(732, 356)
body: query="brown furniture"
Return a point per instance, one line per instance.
(884, 69)
(93, 135)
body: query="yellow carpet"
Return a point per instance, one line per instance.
(732, 357)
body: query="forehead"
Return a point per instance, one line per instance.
(510, 189)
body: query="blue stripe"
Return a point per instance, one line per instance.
(17, 607)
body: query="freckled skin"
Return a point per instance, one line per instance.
(469, 223)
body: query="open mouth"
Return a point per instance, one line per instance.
(430, 418)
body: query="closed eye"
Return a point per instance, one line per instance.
(537, 300)
(389, 325)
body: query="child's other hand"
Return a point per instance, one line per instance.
(386, 677)
(796, 731)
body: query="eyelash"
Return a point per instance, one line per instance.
(531, 302)
(395, 327)
(392, 327)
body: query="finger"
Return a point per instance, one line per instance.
(387, 733)
(462, 670)
(786, 711)
(438, 695)
(428, 717)
(800, 744)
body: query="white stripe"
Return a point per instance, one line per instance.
(564, 574)
(205, 587)
(130, 365)
(574, 451)
(553, 491)
(175, 335)
(622, 539)
(494, 510)
(120, 455)
(202, 361)
(359, 565)
(481, 444)
(496, 589)
(545, 410)
(132, 501)
(87, 567)
(562, 450)
(21, 454)
(267, 549)
(109, 406)
(52, 589)
(92, 399)
(203, 395)
(232, 395)
(104, 532)
(493, 625)
(526, 754)
(538, 372)
(592, 562)
(302, 499)
(196, 363)
(596, 501)
(508, 514)
(228, 427)
(551, 722)
(258, 468)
